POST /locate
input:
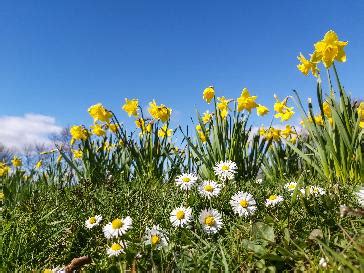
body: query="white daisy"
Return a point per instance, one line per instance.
(117, 227)
(181, 216)
(155, 237)
(116, 249)
(323, 263)
(273, 200)
(360, 196)
(259, 181)
(225, 170)
(186, 180)
(209, 189)
(243, 204)
(93, 221)
(211, 220)
(316, 191)
(291, 186)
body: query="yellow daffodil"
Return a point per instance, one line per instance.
(131, 107)
(287, 131)
(223, 106)
(206, 117)
(78, 132)
(4, 169)
(327, 109)
(39, 164)
(361, 114)
(261, 131)
(202, 136)
(262, 110)
(164, 131)
(318, 120)
(329, 49)
(97, 130)
(245, 101)
(279, 105)
(77, 153)
(286, 114)
(161, 112)
(198, 128)
(273, 133)
(293, 139)
(16, 161)
(113, 127)
(306, 66)
(140, 123)
(208, 94)
(99, 113)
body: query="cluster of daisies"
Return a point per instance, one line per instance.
(210, 219)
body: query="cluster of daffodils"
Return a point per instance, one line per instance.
(4, 169)
(275, 134)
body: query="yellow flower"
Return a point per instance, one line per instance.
(279, 105)
(39, 164)
(262, 110)
(262, 131)
(77, 153)
(198, 128)
(287, 131)
(361, 114)
(78, 132)
(293, 139)
(318, 120)
(286, 114)
(329, 49)
(113, 127)
(245, 101)
(326, 108)
(4, 169)
(208, 94)
(161, 112)
(306, 66)
(140, 123)
(131, 107)
(149, 127)
(164, 131)
(202, 136)
(16, 161)
(1, 196)
(273, 133)
(99, 113)
(207, 117)
(97, 130)
(223, 106)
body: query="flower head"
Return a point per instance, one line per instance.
(16, 161)
(223, 106)
(262, 110)
(4, 169)
(211, 220)
(361, 114)
(93, 221)
(77, 153)
(39, 164)
(99, 113)
(164, 131)
(273, 200)
(131, 107)
(117, 227)
(155, 237)
(97, 130)
(329, 49)
(316, 191)
(181, 217)
(78, 132)
(291, 186)
(245, 101)
(209, 189)
(186, 181)
(116, 249)
(243, 204)
(207, 117)
(160, 112)
(208, 94)
(225, 170)
(306, 66)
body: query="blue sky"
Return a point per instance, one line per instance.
(59, 57)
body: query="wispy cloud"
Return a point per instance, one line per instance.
(16, 132)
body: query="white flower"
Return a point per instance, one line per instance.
(360, 196)
(186, 181)
(211, 220)
(155, 237)
(273, 200)
(93, 221)
(243, 203)
(316, 191)
(291, 186)
(259, 181)
(225, 170)
(116, 249)
(209, 189)
(323, 263)
(117, 227)
(181, 217)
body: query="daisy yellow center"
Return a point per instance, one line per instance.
(292, 187)
(244, 203)
(210, 221)
(180, 215)
(186, 179)
(272, 197)
(116, 247)
(117, 223)
(92, 220)
(155, 239)
(209, 188)
(225, 167)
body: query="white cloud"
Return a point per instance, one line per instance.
(16, 132)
